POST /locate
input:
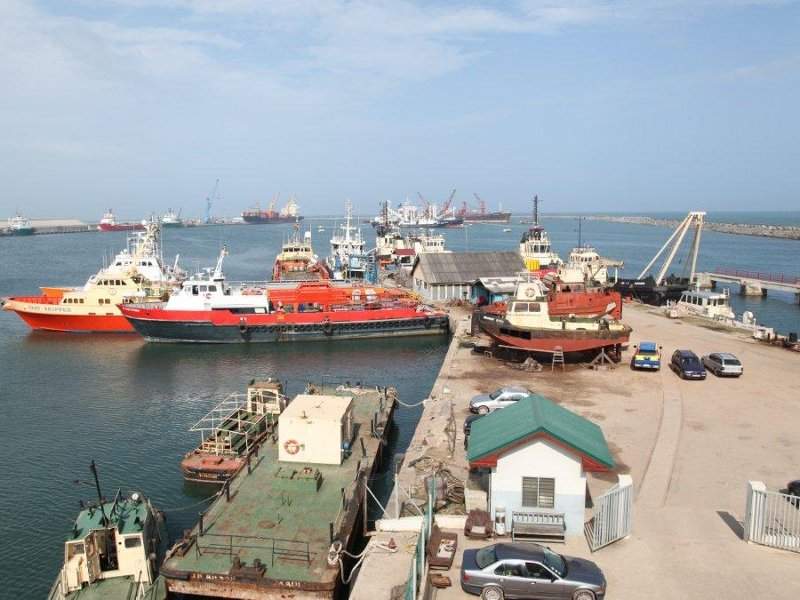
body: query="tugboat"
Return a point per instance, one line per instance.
(109, 223)
(534, 247)
(527, 322)
(19, 225)
(136, 274)
(208, 309)
(348, 261)
(114, 549)
(232, 430)
(297, 261)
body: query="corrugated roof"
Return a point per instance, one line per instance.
(466, 267)
(500, 285)
(536, 414)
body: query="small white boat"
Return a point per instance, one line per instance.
(506, 230)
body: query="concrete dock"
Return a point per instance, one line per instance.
(690, 447)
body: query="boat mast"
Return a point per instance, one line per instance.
(580, 222)
(218, 276)
(93, 468)
(535, 218)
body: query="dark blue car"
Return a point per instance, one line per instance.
(687, 365)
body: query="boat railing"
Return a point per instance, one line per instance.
(57, 591)
(39, 299)
(232, 545)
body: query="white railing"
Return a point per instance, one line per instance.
(772, 518)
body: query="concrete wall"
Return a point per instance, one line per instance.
(540, 458)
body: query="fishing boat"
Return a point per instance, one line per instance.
(209, 309)
(19, 225)
(232, 431)
(113, 550)
(296, 261)
(348, 260)
(109, 223)
(586, 265)
(288, 214)
(526, 322)
(172, 219)
(136, 274)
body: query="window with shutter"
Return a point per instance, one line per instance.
(538, 492)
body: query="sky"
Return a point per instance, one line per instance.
(594, 105)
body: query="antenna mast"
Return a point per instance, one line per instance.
(93, 468)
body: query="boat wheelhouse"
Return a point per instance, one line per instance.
(113, 551)
(585, 265)
(348, 260)
(712, 305)
(232, 431)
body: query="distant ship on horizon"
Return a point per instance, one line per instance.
(288, 214)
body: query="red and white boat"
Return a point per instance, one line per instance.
(208, 309)
(109, 223)
(136, 274)
(538, 319)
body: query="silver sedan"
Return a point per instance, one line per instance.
(530, 571)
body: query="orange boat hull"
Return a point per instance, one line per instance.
(36, 314)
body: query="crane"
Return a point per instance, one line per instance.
(209, 200)
(446, 205)
(481, 203)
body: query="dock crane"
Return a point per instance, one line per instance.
(446, 205)
(481, 203)
(694, 220)
(209, 201)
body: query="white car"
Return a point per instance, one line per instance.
(723, 364)
(505, 396)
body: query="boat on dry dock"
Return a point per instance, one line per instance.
(526, 322)
(209, 309)
(282, 526)
(136, 274)
(232, 431)
(113, 550)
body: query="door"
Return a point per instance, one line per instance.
(511, 577)
(92, 557)
(540, 582)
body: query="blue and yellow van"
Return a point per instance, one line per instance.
(646, 356)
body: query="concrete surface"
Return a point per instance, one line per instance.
(690, 447)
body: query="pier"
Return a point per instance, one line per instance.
(751, 283)
(689, 447)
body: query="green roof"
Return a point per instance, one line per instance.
(536, 414)
(127, 516)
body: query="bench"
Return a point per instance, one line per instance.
(441, 549)
(537, 527)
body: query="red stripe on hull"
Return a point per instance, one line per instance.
(77, 323)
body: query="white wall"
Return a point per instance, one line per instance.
(541, 458)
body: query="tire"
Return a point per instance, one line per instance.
(483, 410)
(492, 592)
(583, 595)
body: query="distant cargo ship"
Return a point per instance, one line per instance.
(19, 225)
(288, 214)
(109, 223)
(481, 215)
(172, 219)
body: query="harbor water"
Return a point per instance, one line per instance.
(68, 399)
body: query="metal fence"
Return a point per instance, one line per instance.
(613, 515)
(772, 518)
(418, 567)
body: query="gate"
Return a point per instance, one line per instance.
(612, 515)
(772, 518)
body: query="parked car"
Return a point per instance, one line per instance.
(647, 355)
(529, 571)
(723, 364)
(505, 396)
(686, 364)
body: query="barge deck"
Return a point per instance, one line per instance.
(270, 532)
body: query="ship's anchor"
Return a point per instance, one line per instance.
(327, 327)
(243, 327)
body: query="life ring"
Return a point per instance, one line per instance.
(291, 446)
(530, 292)
(327, 327)
(112, 292)
(208, 296)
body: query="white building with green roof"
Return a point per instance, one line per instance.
(537, 454)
